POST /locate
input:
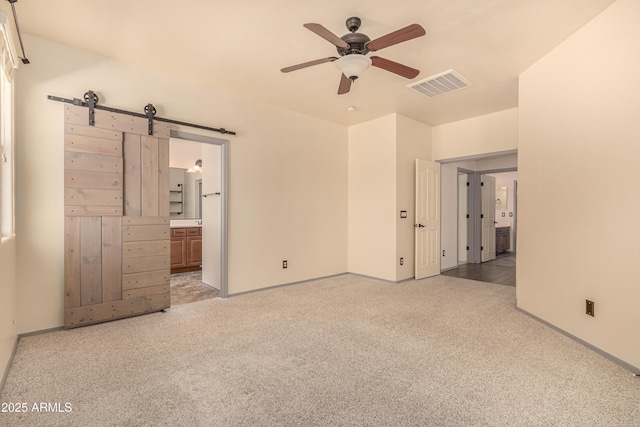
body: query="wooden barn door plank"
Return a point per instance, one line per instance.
(163, 177)
(117, 240)
(132, 175)
(71, 262)
(149, 176)
(90, 260)
(111, 258)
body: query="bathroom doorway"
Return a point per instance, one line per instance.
(198, 217)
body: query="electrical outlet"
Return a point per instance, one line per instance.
(590, 308)
(284, 264)
(401, 261)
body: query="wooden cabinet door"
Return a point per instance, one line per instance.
(178, 252)
(116, 206)
(194, 244)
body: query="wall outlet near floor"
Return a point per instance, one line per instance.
(284, 263)
(590, 308)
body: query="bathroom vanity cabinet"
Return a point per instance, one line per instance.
(186, 249)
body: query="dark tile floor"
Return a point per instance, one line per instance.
(188, 287)
(501, 271)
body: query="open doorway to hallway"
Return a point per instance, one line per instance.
(483, 236)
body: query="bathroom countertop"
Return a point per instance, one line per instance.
(183, 223)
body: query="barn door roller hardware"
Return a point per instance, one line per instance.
(91, 102)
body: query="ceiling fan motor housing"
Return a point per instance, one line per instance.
(355, 40)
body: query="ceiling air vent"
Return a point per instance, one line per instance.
(440, 84)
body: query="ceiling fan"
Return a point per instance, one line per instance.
(353, 48)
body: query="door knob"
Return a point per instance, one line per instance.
(419, 226)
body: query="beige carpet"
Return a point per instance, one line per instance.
(341, 351)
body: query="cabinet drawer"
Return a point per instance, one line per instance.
(178, 232)
(193, 231)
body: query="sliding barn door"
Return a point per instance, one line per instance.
(117, 240)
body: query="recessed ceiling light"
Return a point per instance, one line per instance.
(351, 108)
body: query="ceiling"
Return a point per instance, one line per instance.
(240, 46)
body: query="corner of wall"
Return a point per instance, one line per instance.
(413, 141)
(8, 303)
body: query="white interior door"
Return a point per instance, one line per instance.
(488, 190)
(427, 226)
(463, 226)
(211, 214)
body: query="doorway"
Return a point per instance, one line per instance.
(198, 217)
(487, 222)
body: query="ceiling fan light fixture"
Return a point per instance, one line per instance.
(353, 65)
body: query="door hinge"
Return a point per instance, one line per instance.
(467, 183)
(467, 216)
(3, 158)
(482, 184)
(481, 216)
(467, 247)
(482, 248)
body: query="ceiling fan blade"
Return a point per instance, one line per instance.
(394, 67)
(399, 36)
(345, 85)
(308, 64)
(327, 35)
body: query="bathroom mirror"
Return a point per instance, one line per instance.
(185, 194)
(501, 198)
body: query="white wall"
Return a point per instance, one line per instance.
(579, 157)
(287, 183)
(490, 133)
(372, 198)
(382, 155)
(413, 141)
